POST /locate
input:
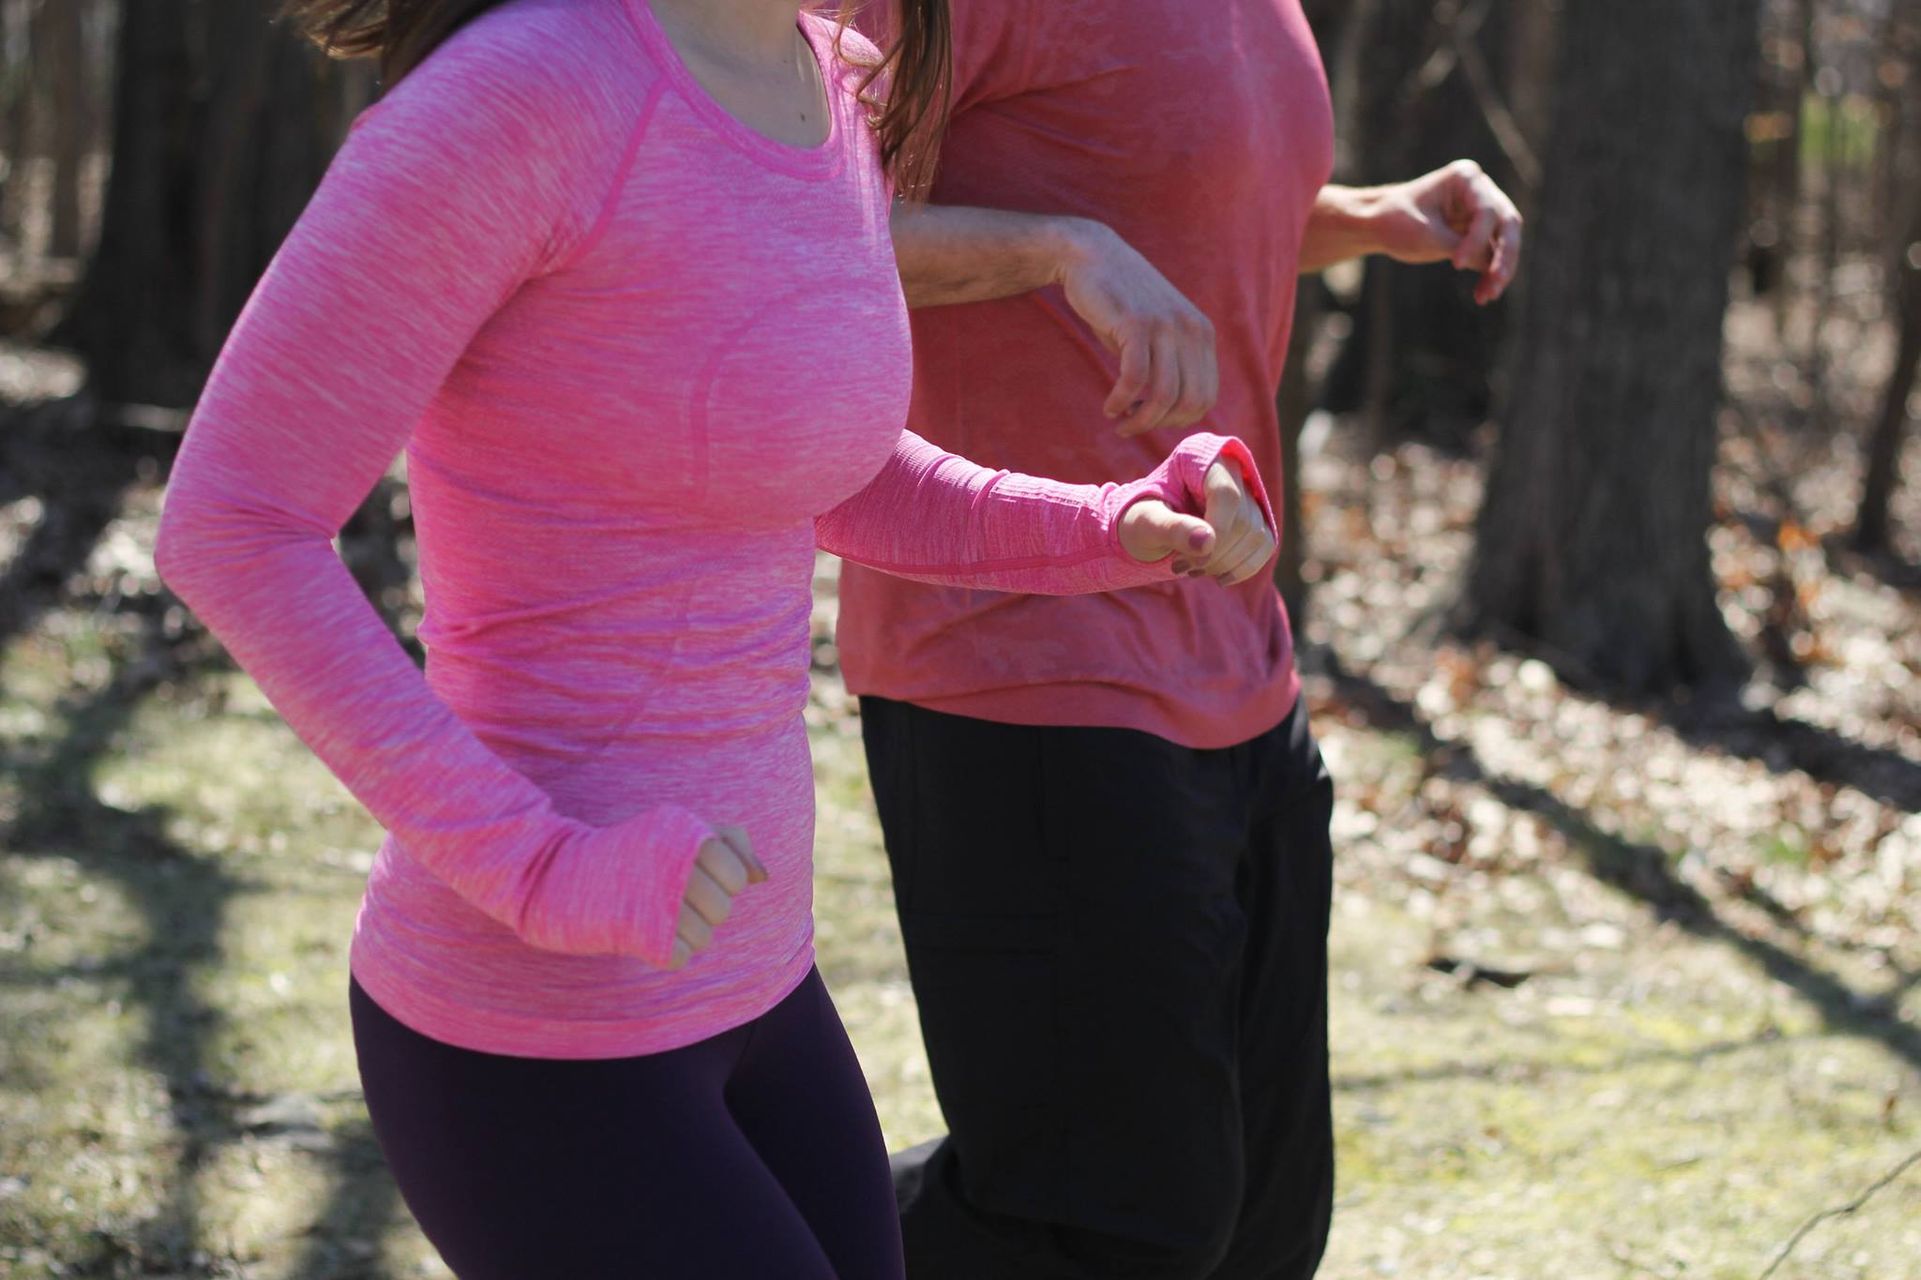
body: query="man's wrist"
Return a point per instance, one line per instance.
(1348, 219)
(1067, 242)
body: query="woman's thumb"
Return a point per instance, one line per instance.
(1152, 529)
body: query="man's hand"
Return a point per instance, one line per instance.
(1165, 345)
(953, 254)
(1455, 214)
(1231, 543)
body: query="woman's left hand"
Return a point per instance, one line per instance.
(1230, 542)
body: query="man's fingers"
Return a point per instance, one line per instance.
(1136, 365)
(1473, 253)
(1163, 390)
(1200, 374)
(1507, 256)
(1210, 376)
(1444, 240)
(1197, 396)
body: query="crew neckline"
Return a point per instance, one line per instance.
(821, 160)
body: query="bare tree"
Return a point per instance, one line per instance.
(223, 124)
(65, 92)
(1871, 526)
(1592, 539)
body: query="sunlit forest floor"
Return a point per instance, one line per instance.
(1618, 990)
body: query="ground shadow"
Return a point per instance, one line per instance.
(182, 898)
(79, 469)
(1509, 1069)
(1890, 567)
(342, 1242)
(1643, 871)
(53, 453)
(1782, 744)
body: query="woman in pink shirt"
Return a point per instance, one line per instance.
(617, 277)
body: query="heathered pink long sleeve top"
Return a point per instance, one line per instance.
(641, 359)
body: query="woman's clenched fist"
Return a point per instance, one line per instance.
(1229, 542)
(724, 867)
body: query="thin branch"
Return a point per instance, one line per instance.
(1841, 1211)
(1500, 121)
(1459, 50)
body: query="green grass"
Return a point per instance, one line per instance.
(178, 1097)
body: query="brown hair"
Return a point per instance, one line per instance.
(908, 112)
(917, 66)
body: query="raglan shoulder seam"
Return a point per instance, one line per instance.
(610, 199)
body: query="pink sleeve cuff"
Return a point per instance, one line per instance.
(621, 888)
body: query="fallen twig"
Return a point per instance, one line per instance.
(1840, 1211)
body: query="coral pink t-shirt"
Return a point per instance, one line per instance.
(1201, 133)
(642, 359)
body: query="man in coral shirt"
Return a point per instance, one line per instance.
(1106, 816)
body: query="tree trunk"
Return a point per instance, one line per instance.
(67, 88)
(1592, 539)
(16, 97)
(1871, 526)
(223, 126)
(127, 319)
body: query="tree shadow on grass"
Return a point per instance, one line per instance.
(54, 453)
(1645, 872)
(79, 469)
(1889, 567)
(1506, 1069)
(182, 898)
(362, 1204)
(1781, 744)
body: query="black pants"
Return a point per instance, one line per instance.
(1119, 949)
(750, 1155)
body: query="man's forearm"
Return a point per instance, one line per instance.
(950, 253)
(1341, 226)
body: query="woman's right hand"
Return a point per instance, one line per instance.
(1229, 540)
(724, 867)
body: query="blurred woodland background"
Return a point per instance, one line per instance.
(1610, 606)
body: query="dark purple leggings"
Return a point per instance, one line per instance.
(754, 1155)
